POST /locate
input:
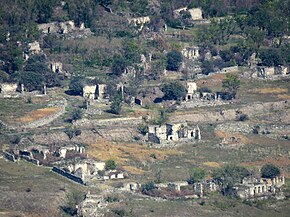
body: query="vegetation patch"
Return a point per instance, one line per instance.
(121, 153)
(38, 114)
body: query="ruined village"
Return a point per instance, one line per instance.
(145, 108)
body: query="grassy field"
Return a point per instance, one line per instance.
(28, 190)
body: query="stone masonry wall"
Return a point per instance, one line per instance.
(231, 114)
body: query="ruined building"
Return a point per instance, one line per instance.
(191, 88)
(253, 187)
(55, 67)
(92, 92)
(172, 132)
(195, 13)
(191, 53)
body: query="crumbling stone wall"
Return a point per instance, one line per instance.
(48, 119)
(68, 175)
(231, 114)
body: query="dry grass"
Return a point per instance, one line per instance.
(243, 139)
(283, 96)
(212, 82)
(271, 90)
(122, 153)
(212, 164)
(281, 162)
(38, 114)
(133, 170)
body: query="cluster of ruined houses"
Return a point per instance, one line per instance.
(249, 188)
(260, 71)
(264, 187)
(70, 161)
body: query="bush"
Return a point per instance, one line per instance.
(149, 186)
(143, 129)
(119, 65)
(110, 165)
(76, 115)
(229, 175)
(173, 91)
(196, 175)
(76, 85)
(270, 171)
(174, 60)
(243, 117)
(116, 104)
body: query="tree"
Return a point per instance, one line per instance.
(149, 186)
(31, 80)
(173, 91)
(116, 104)
(76, 85)
(76, 115)
(110, 165)
(270, 171)
(119, 65)
(196, 175)
(174, 60)
(229, 175)
(231, 83)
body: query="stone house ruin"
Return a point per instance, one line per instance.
(32, 49)
(191, 53)
(91, 205)
(56, 67)
(85, 169)
(252, 187)
(57, 27)
(89, 92)
(195, 13)
(113, 175)
(191, 89)
(141, 21)
(172, 132)
(266, 72)
(7, 88)
(92, 92)
(205, 187)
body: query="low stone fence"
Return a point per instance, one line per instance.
(231, 114)
(9, 156)
(108, 122)
(31, 160)
(68, 175)
(48, 119)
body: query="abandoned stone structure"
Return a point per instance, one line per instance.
(205, 187)
(63, 150)
(139, 21)
(89, 92)
(57, 27)
(91, 206)
(33, 48)
(191, 53)
(55, 67)
(113, 175)
(172, 132)
(253, 187)
(191, 88)
(173, 185)
(6, 88)
(267, 72)
(129, 71)
(86, 169)
(92, 92)
(196, 13)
